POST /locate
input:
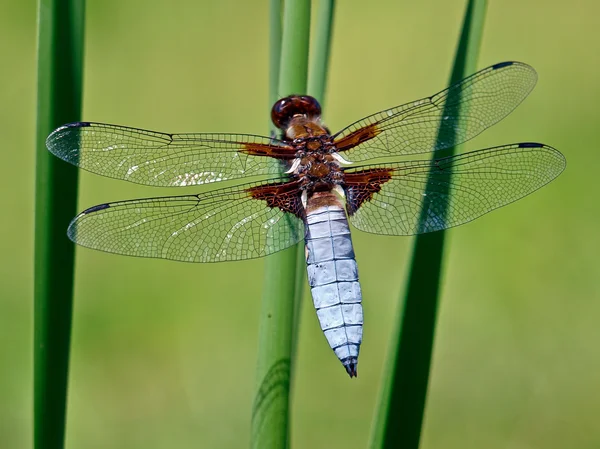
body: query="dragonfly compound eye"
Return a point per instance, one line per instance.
(286, 108)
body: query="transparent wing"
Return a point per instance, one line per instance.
(161, 159)
(225, 224)
(400, 199)
(446, 119)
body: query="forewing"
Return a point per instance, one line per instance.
(162, 159)
(446, 119)
(222, 225)
(400, 199)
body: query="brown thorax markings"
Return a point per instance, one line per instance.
(317, 163)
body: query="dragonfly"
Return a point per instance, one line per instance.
(308, 183)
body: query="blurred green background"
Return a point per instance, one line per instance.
(164, 353)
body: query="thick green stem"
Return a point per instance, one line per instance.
(60, 54)
(402, 399)
(319, 61)
(270, 417)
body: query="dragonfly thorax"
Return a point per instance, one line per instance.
(321, 144)
(318, 172)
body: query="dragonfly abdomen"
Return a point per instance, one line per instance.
(333, 279)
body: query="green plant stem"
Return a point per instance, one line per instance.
(402, 400)
(60, 55)
(270, 417)
(275, 29)
(319, 62)
(294, 48)
(317, 80)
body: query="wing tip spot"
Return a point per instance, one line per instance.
(530, 145)
(501, 65)
(75, 125)
(96, 208)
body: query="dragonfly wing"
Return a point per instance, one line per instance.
(162, 159)
(446, 119)
(227, 224)
(405, 199)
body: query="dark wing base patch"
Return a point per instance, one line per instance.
(362, 185)
(285, 196)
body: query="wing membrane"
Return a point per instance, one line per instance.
(406, 201)
(446, 119)
(225, 224)
(161, 159)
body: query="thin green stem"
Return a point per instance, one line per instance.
(402, 399)
(270, 417)
(60, 55)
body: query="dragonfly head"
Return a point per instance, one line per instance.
(294, 105)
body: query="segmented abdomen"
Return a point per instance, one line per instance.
(333, 279)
